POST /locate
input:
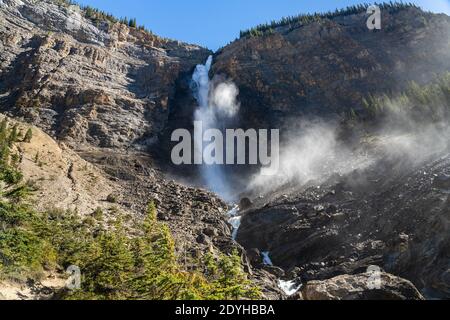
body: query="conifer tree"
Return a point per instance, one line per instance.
(28, 136)
(132, 23)
(13, 135)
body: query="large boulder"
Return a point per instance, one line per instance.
(361, 287)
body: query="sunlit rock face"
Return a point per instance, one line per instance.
(102, 84)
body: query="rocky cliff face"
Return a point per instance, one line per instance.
(105, 85)
(385, 215)
(102, 86)
(105, 98)
(328, 66)
(102, 93)
(391, 214)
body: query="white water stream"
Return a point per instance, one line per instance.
(217, 104)
(235, 221)
(266, 258)
(289, 287)
(214, 104)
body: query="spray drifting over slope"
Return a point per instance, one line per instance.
(216, 104)
(313, 151)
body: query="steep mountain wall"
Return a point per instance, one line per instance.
(106, 85)
(326, 67)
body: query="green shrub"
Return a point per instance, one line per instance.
(98, 16)
(12, 138)
(98, 214)
(28, 136)
(146, 267)
(10, 176)
(114, 264)
(132, 23)
(111, 198)
(430, 101)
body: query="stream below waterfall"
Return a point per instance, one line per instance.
(216, 104)
(288, 287)
(235, 221)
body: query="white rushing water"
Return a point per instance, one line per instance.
(217, 103)
(266, 258)
(201, 79)
(235, 221)
(212, 174)
(289, 287)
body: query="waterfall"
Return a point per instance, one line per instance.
(201, 79)
(235, 221)
(266, 258)
(216, 104)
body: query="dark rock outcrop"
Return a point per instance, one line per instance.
(328, 66)
(396, 220)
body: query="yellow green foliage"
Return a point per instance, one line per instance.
(113, 264)
(427, 102)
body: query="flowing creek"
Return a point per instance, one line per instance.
(213, 175)
(288, 287)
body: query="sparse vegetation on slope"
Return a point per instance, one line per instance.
(427, 102)
(115, 263)
(303, 19)
(146, 267)
(21, 250)
(98, 16)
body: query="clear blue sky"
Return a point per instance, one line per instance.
(214, 23)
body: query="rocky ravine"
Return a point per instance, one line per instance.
(389, 215)
(102, 91)
(65, 180)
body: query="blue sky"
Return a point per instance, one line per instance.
(214, 23)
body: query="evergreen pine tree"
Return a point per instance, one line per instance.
(28, 136)
(13, 135)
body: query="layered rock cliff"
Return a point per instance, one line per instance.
(103, 90)
(105, 97)
(107, 85)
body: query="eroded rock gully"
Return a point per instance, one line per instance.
(392, 218)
